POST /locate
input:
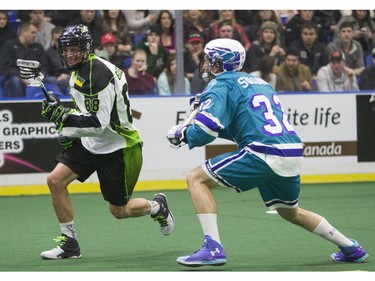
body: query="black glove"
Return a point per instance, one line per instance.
(65, 142)
(52, 110)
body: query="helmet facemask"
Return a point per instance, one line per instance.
(79, 37)
(208, 67)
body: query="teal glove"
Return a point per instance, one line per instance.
(65, 142)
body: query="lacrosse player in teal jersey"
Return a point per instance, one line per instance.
(246, 110)
(97, 136)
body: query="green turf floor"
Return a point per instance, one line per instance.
(254, 241)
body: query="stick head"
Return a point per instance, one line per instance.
(30, 72)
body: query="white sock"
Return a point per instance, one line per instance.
(209, 225)
(327, 231)
(68, 229)
(154, 207)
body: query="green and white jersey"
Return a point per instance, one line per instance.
(102, 116)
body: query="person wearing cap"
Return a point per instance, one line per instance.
(193, 50)
(367, 77)
(109, 46)
(157, 55)
(268, 43)
(335, 76)
(293, 76)
(350, 47)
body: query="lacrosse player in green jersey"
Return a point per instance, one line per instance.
(97, 136)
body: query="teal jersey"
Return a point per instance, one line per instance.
(246, 110)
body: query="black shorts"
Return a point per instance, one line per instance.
(117, 172)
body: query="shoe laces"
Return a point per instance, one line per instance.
(162, 220)
(60, 240)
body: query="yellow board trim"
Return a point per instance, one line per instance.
(170, 184)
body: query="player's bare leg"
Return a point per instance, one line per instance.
(57, 181)
(350, 250)
(67, 245)
(212, 252)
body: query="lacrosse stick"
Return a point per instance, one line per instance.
(191, 117)
(31, 75)
(175, 142)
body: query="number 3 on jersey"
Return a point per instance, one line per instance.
(272, 125)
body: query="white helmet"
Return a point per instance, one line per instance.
(223, 53)
(228, 51)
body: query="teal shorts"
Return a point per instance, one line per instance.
(242, 171)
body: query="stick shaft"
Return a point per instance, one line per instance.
(48, 98)
(191, 117)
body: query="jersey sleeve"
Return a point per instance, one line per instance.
(212, 118)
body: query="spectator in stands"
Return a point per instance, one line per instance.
(193, 49)
(239, 32)
(225, 29)
(351, 48)
(60, 17)
(367, 77)
(44, 34)
(330, 19)
(259, 18)
(109, 44)
(94, 24)
(284, 16)
(193, 23)
(267, 43)
(363, 28)
(55, 66)
(157, 55)
(165, 22)
(292, 76)
(115, 22)
(6, 32)
(166, 82)
(336, 77)
(245, 18)
(265, 70)
(139, 21)
(21, 47)
(292, 29)
(311, 52)
(139, 81)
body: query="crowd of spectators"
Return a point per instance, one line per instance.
(294, 50)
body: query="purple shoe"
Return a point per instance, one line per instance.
(353, 253)
(211, 253)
